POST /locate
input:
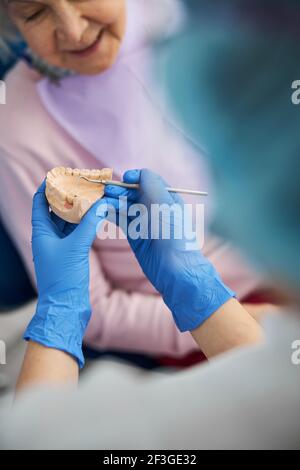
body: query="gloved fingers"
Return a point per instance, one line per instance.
(177, 199)
(154, 188)
(132, 176)
(117, 192)
(40, 207)
(175, 196)
(41, 216)
(152, 185)
(116, 207)
(87, 230)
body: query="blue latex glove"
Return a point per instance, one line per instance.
(187, 281)
(61, 261)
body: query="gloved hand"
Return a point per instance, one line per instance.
(187, 281)
(61, 261)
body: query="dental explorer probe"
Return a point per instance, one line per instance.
(137, 186)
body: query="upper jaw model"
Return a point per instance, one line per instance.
(70, 196)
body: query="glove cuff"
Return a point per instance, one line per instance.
(198, 314)
(60, 325)
(195, 299)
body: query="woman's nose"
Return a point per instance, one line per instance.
(70, 26)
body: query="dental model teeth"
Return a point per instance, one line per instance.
(70, 196)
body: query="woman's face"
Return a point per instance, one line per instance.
(81, 35)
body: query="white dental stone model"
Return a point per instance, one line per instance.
(70, 196)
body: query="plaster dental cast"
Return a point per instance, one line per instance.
(70, 196)
(105, 113)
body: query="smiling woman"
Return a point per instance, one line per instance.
(84, 36)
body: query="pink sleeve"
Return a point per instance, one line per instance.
(134, 322)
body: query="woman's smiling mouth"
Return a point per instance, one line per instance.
(88, 50)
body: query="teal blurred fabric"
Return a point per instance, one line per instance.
(231, 83)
